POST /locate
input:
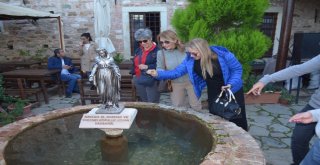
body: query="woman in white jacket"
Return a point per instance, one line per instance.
(87, 53)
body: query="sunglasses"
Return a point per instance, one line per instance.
(194, 54)
(144, 41)
(164, 42)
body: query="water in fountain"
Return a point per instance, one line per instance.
(156, 137)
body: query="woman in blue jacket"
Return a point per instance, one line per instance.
(214, 67)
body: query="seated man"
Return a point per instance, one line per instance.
(59, 61)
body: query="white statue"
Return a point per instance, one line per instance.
(106, 77)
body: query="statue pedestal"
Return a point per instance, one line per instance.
(111, 124)
(112, 132)
(114, 146)
(114, 150)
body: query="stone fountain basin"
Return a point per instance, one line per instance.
(231, 144)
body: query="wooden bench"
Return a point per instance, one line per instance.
(86, 93)
(19, 88)
(128, 90)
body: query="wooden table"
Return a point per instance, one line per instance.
(35, 75)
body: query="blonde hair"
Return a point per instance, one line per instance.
(171, 36)
(206, 55)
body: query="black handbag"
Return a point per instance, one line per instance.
(226, 106)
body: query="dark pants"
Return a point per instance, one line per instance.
(148, 94)
(241, 122)
(301, 136)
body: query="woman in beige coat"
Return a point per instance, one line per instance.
(87, 53)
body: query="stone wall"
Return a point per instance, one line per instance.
(304, 16)
(78, 17)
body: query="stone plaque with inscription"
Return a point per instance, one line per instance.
(118, 121)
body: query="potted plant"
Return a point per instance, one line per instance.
(11, 108)
(269, 95)
(6, 118)
(14, 111)
(118, 58)
(285, 98)
(20, 107)
(38, 55)
(23, 55)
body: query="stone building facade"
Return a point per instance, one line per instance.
(78, 17)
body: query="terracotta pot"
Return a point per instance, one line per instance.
(26, 109)
(283, 101)
(264, 98)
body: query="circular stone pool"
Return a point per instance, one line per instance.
(159, 134)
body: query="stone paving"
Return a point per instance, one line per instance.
(268, 124)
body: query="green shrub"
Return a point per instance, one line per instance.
(231, 24)
(246, 44)
(285, 95)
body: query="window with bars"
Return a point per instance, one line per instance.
(268, 27)
(139, 20)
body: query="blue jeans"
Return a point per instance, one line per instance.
(72, 82)
(313, 156)
(301, 136)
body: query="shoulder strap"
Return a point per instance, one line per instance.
(164, 59)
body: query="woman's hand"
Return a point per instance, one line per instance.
(81, 44)
(152, 72)
(256, 88)
(223, 88)
(304, 117)
(143, 67)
